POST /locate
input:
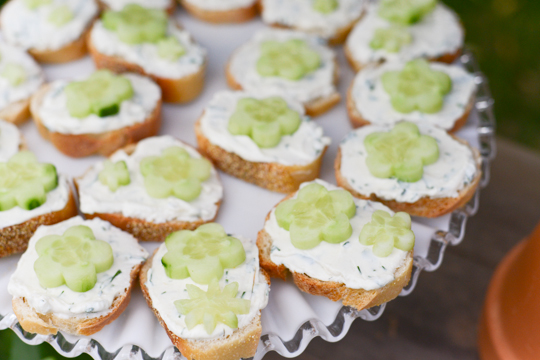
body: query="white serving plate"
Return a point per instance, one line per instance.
(292, 318)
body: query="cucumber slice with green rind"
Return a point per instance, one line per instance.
(291, 60)
(385, 232)
(405, 12)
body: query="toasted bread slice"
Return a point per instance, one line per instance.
(49, 324)
(241, 344)
(238, 15)
(272, 176)
(357, 298)
(17, 112)
(170, 8)
(425, 207)
(14, 239)
(105, 143)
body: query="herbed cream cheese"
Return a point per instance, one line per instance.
(56, 200)
(301, 15)
(31, 29)
(221, 5)
(146, 54)
(55, 116)
(10, 140)
(153, 4)
(349, 262)
(438, 33)
(64, 302)
(164, 291)
(454, 170)
(133, 201)
(315, 85)
(300, 148)
(34, 77)
(373, 102)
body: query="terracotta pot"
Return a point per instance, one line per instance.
(510, 322)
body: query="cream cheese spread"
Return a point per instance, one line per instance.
(164, 291)
(349, 262)
(373, 102)
(31, 29)
(9, 94)
(455, 169)
(55, 116)
(64, 302)
(318, 84)
(300, 148)
(221, 5)
(10, 140)
(133, 201)
(153, 4)
(146, 54)
(300, 15)
(438, 33)
(56, 200)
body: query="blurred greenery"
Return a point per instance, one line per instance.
(505, 37)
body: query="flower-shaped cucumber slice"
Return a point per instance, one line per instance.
(417, 87)
(174, 173)
(60, 15)
(213, 306)
(101, 94)
(401, 152)
(325, 6)
(202, 254)
(170, 48)
(114, 175)
(24, 182)
(74, 259)
(264, 121)
(391, 38)
(34, 4)
(291, 60)
(135, 24)
(405, 12)
(15, 74)
(317, 215)
(386, 232)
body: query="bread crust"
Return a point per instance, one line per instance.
(271, 176)
(170, 9)
(180, 90)
(105, 143)
(17, 112)
(49, 324)
(313, 108)
(238, 15)
(14, 239)
(242, 344)
(358, 298)
(357, 120)
(425, 206)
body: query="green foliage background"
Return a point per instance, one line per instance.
(505, 37)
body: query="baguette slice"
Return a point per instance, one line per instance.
(272, 176)
(145, 230)
(426, 206)
(17, 112)
(358, 298)
(241, 344)
(238, 15)
(14, 239)
(49, 324)
(170, 8)
(105, 143)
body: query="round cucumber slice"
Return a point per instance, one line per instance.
(266, 134)
(187, 189)
(80, 277)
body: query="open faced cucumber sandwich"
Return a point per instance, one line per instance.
(356, 251)
(262, 138)
(403, 30)
(75, 277)
(97, 115)
(20, 78)
(11, 140)
(419, 169)
(31, 194)
(148, 42)
(151, 189)
(417, 91)
(117, 5)
(293, 64)
(222, 11)
(53, 31)
(329, 19)
(207, 290)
